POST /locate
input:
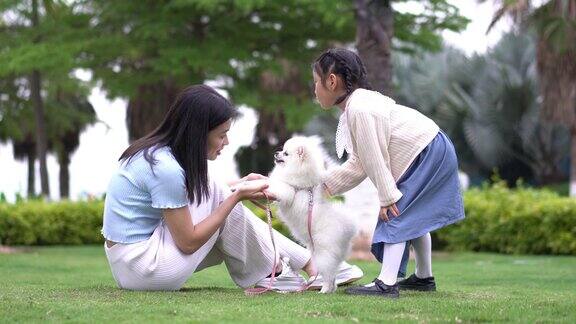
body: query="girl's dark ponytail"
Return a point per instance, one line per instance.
(363, 76)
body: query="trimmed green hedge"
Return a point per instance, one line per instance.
(519, 221)
(39, 223)
(498, 219)
(64, 223)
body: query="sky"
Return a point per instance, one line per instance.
(102, 143)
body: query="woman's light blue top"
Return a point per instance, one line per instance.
(138, 192)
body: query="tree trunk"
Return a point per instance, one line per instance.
(31, 173)
(573, 162)
(546, 153)
(25, 149)
(64, 162)
(41, 138)
(374, 33)
(271, 130)
(270, 134)
(148, 108)
(68, 143)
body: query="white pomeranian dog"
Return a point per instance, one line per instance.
(297, 178)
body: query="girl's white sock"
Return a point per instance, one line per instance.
(423, 254)
(391, 259)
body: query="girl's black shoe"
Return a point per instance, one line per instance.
(415, 283)
(379, 289)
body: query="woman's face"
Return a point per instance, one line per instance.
(217, 139)
(326, 94)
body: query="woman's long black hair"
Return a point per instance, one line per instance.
(347, 65)
(196, 111)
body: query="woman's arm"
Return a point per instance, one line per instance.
(189, 237)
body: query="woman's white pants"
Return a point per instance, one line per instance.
(243, 243)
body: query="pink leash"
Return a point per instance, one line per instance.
(260, 290)
(310, 210)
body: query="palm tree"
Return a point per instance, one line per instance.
(26, 149)
(555, 25)
(69, 112)
(440, 86)
(488, 105)
(17, 124)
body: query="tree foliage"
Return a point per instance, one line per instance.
(40, 99)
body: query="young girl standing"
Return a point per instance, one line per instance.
(410, 161)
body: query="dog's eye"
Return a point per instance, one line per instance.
(285, 153)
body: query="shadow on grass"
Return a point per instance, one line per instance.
(444, 295)
(208, 289)
(15, 249)
(108, 289)
(113, 291)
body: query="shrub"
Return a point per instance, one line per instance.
(35, 222)
(522, 220)
(42, 223)
(498, 219)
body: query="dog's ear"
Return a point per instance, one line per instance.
(301, 153)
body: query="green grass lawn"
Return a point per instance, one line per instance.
(74, 284)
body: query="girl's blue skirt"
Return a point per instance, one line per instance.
(432, 197)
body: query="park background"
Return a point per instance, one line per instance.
(80, 79)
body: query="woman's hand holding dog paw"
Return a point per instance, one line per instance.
(269, 195)
(394, 211)
(251, 190)
(250, 177)
(253, 176)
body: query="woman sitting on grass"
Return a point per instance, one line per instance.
(166, 218)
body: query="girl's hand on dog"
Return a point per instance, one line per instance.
(394, 211)
(325, 191)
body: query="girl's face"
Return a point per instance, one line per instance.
(326, 93)
(217, 139)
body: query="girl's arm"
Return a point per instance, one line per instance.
(190, 237)
(344, 177)
(372, 150)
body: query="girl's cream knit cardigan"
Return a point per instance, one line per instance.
(386, 138)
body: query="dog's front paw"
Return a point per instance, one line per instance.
(328, 287)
